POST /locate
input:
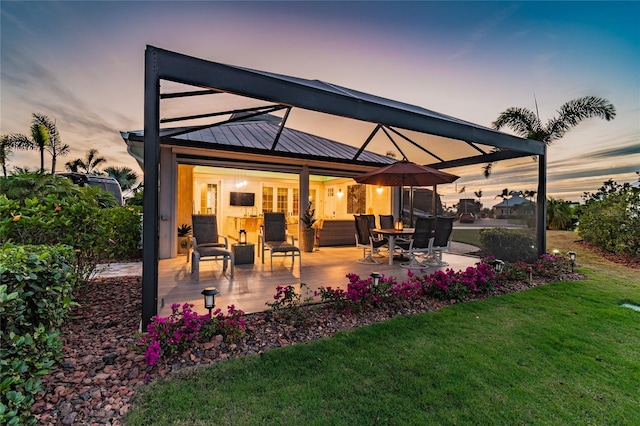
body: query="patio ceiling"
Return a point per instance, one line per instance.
(374, 123)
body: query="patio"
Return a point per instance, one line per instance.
(254, 284)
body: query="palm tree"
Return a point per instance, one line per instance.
(479, 195)
(559, 214)
(504, 195)
(126, 177)
(5, 152)
(39, 138)
(55, 147)
(530, 194)
(88, 165)
(525, 123)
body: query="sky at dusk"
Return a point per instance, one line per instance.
(82, 64)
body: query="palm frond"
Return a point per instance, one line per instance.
(576, 110)
(19, 141)
(521, 120)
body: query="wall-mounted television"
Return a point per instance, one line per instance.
(246, 199)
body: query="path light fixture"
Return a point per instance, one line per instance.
(209, 294)
(572, 257)
(376, 278)
(498, 265)
(242, 237)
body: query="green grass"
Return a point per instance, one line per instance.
(564, 353)
(467, 236)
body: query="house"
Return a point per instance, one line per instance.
(509, 206)
(173, 157)
(230, 169)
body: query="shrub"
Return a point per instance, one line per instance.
(177, 332)
(609, 219)
(287, 303)
(60, 213)
(36, 288)
(509, 245)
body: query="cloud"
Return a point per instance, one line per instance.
(28, 78)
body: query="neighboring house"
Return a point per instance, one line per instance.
(509, 206)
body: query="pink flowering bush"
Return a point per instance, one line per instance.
(177, 332)
(442, 285)
(232, 325)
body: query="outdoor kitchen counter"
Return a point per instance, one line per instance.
(233, 225)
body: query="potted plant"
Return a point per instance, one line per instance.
(308, 233)
(184, 241)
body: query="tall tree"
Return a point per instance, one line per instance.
(530, 194)
(525, 123)
(126, 177)
(89, 164)
(559, 214)
(39, 138)
(479, 195)
(5, 152)
(55, 147)
(505, 194)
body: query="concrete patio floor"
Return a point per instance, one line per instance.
(253, 285)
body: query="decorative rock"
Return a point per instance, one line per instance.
(110, 358)
(69, 418)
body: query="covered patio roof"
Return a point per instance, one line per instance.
(418, 134)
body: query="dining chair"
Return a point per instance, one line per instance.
(418, 246)
(386, 221)
(366, 241)
(441, 240)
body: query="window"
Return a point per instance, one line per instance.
(329, 192)
(296, 202)
(267, 199)
(283, 200)
(356, 199)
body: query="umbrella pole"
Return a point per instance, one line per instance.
(410, 206)
(434, 197)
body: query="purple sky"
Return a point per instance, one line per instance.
(81, 63)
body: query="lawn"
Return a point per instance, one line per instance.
(564, 353)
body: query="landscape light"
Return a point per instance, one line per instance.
(498, 265)
(572, 257)
(210, 298)
(376, 278)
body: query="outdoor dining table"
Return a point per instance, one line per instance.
(391, 234)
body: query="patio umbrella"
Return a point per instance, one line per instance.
(406, 173)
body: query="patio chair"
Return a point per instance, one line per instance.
(208, 244)
(274, 238)
(365, 240)
(441, 240)
(386, 221)
(418, 246)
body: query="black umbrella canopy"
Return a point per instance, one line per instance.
(405, 173)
